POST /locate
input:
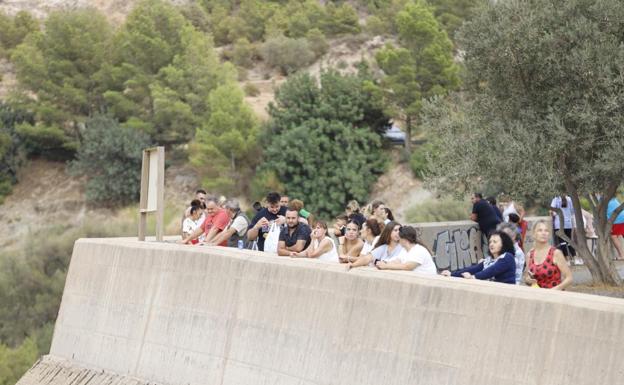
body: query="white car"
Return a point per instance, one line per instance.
(395, 135)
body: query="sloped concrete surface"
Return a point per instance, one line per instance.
(55, 371)
(173, 314)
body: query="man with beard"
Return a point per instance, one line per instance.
(295, 237)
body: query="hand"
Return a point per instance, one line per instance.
(344, 259)
(381, 265)
(467, 275)
(445, 273)
(280, 220)
(294, 254)
(529, 281)
(261, 222)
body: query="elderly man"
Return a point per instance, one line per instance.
(236, 230)
(215, 222)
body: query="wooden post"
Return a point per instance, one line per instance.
(160, 196)
(152, 191)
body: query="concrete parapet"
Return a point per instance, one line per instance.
(173, 314)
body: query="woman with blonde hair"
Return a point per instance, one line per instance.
(546, 266)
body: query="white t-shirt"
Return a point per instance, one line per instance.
(510, 209)
(240, 224)
(421, 256)
(189, 226)
(568, 213)
(366, 249)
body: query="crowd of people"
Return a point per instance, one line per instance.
(370, 236)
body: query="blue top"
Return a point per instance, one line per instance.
(502, 270)
(613, 204)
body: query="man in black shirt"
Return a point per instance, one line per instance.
(295, 237)
(483, 213)
(261, 223)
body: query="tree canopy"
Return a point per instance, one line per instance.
(421, 68)
(543, 108)
(322, 140)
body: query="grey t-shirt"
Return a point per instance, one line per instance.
(381, 252)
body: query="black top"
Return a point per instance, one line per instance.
(265, 213)
(486, 216)
(301, 232)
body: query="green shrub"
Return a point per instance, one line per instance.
(341, 19)
(110, 158)
(375, 26)
(418, 160)
(318, 42)
(242, 53)
(438, 210)
(287, 54)
(251, 90)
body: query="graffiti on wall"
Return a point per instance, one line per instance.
(457, 248)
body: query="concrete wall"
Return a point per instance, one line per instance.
(173, 314)
(458, 244)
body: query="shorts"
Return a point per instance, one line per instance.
(617, 229)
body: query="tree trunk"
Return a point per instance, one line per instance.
(600, 265)
(408, 134)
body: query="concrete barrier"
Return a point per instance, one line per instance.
(138, 313)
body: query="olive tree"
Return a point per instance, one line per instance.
(542, 112)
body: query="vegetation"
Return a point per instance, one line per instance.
(422, 68)
(13, 30)
(287, 54)
(438, 210)
(12, 152)
(225, 148)
(110, 159)
(542, 113)
(320, 142)
(95, 95)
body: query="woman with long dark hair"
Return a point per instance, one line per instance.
(387, 247)
(500, 266)
(371, 230)
(416, 258)
(350, 244)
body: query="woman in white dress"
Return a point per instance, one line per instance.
(321, 247)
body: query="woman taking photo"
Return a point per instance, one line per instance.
(500, 266)
(322, 247)
(350, 245)
(546, 265)
(416, 257)
(387, 247)
(370, 235)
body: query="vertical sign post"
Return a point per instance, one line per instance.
(152, 190)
